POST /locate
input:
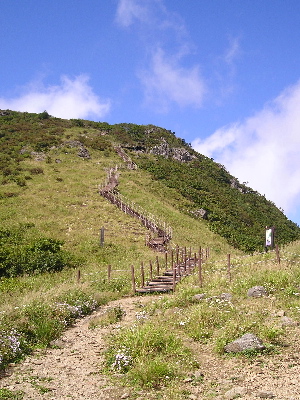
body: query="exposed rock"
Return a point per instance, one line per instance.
(181, 154)
(25, 150)
(235, 392)
(257, 291)
(83, 152)
(245, 342)
(234, 183)
(226, 296)
(178, 153)
(200, 296)
(200, 213)
(266, 395)
(286, 321)
(38, 156)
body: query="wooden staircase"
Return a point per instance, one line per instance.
(166, 281)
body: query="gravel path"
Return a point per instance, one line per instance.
(72, 371)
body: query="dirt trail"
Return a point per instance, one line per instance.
(72, 371)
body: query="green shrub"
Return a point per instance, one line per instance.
(43, 255)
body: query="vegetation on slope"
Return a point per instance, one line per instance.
(233, 210)
(50, 208)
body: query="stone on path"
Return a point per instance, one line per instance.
(235, 392)
(245, 342)
(257, 291)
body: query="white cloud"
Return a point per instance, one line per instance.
(166, 79)
(166, 82)
(73, 98)
(130, 10)
(264, 149)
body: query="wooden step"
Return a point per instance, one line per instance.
(154, 289)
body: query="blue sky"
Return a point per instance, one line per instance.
(222, 74)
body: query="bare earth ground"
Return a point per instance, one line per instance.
(73, 371)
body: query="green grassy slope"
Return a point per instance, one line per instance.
(234, 211)
(49, 191)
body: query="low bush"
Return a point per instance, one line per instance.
(20, 255)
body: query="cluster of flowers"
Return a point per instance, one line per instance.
(141, 316)
(10, 345)
(77, 310)
(122, 360)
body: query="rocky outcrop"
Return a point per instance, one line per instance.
(82, 150)
(201, 213)
(178, 153)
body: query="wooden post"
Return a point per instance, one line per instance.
(78, 276)
(228, 267)
(177, 254)
(142, 275)
(184, 258)
(174, 277)
(172, 258)
(179, 272)
(108, 272)
(277, 254)
(102, 236)
(200, 268)
(133, 279)
(157, 265)
(166, 260)
(189, 265)
(151, 270)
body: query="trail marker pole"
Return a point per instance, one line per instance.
(200, 268)
(277, 254)
(142, 275)
(102, 236)
(78, 276)
(174, 277)
(108, 272)
(133, 279)
(228, 267)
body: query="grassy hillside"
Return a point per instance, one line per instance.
(188, 180)
(51, 214)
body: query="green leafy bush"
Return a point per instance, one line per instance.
(20, 255)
